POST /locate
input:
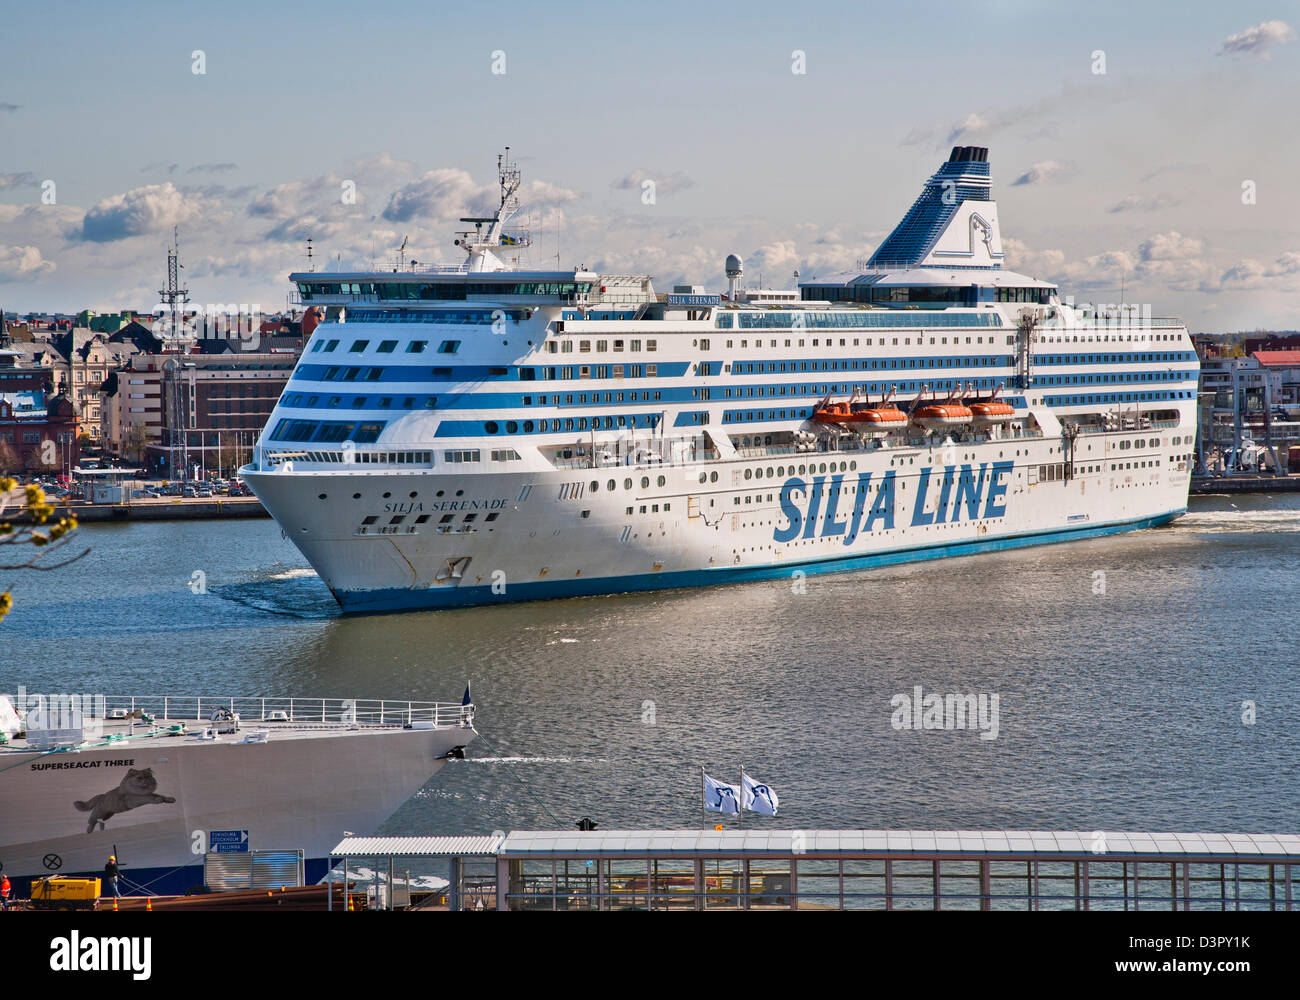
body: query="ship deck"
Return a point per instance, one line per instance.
(67, 723)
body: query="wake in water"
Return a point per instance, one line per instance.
(288, 591)
(1239, 521)
(536, 760)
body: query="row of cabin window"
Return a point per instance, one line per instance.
(327, 431)
(584, 346)
(386, 346)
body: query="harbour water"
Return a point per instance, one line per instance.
(1121, 667)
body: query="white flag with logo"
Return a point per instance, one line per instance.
(757, 797)
(721, 798)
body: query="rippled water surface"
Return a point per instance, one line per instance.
(1119, 709)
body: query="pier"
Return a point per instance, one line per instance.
(1206, 485)
(853, 870)
(164, 509)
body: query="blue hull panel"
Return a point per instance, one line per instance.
(397, 599)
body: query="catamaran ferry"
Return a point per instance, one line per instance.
(161, 782)
(478, 433)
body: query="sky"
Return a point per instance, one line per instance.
(1147, 150)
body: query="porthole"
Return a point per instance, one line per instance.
(387, 495)
(610, 485)
(661, 480)
(356, 496)
(704, 477)
(438, 494)
(595, 486)
(749, 473)
(713, 477)
(627, 484)
(320, 496)
(490, 427)
(512, 427)
(414, 494)
(460, 493)
(645, 482)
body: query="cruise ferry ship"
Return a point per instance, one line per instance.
(484, 432)
(158, 782)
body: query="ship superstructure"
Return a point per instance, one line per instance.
(477, 433)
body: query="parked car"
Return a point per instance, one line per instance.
(203, 492)
(187, 491)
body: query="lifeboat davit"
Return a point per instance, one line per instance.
(877, 418)
(992, 412)
(937, 416)
(832, 413)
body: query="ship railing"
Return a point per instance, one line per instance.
(303, 712)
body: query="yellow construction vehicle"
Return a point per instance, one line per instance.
(56, 893)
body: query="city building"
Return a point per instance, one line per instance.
(38, 427)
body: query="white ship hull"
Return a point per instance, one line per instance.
(556, 537)
(288, 793)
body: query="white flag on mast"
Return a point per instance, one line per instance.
(721, 798)
(757, 797)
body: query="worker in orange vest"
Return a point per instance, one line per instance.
(5, 889)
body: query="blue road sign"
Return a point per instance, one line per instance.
(227, 841)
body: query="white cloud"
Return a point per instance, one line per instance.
(23, 264)
(1143, 203)
(24, 179)
(149, 209)
(1259, 40)
(665, 182)
(1042, 172)
(442, 194)
(1249, 274)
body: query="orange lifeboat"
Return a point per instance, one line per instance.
(832, 413)
(992, 411)
(885, 417)
(937, 416)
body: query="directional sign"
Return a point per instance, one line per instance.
(227, 841)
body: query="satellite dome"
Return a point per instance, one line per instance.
(734, 266)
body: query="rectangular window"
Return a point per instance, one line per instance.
(449, 347)
(416, 346)
(359, 345)
(386, 346)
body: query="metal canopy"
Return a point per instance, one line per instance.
(638, 843)
(421, 847)
(881, 842)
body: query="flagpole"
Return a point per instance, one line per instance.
(704, 823)
(740, 806)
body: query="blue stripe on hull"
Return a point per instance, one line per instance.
(159, 881)
(399, 599)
